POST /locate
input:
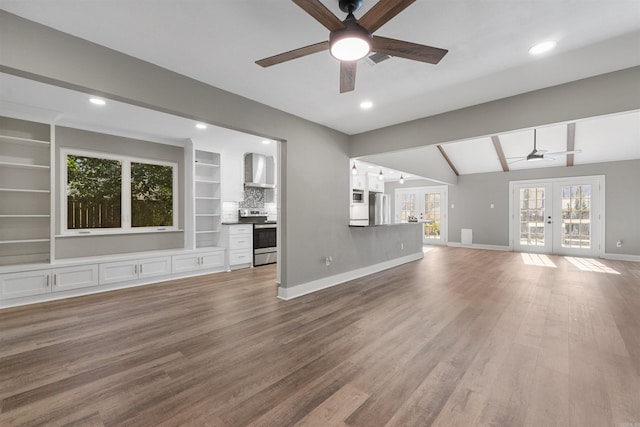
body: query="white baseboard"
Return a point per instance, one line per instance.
(478, 246)
(327, 282)
(622, 257)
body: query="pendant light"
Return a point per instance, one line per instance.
(401, 179)
(354, 170)
(380, 175)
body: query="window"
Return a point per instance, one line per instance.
(108, 193)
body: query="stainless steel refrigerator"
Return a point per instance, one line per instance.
(379, 209)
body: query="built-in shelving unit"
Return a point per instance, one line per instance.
(207, 199)
(25, 211)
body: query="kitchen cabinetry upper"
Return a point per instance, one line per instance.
(358, 182)
(374, 184)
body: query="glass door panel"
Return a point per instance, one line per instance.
(432, 217)
(533, 213)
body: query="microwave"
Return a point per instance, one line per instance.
(357, 196)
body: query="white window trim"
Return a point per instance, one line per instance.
(125, 206)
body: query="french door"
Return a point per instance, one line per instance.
(429, 206)
(561, 216)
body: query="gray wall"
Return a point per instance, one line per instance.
(71, 247)
(474, 193)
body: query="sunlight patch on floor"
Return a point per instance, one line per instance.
(590, 264)
(537, 259)
(426, 249)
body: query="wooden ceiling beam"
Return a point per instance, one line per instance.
(444, 154)
(571, 142)
(498, 146)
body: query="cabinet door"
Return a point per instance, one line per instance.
(16, 285)
(121, 271)
(181, 263)
(212, 259)
(358, 182)
(82, 276)
(154, 267)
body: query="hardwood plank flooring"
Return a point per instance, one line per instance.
(461, 338)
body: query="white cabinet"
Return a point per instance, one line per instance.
(37, 282)
(24, 284)
(197, 261)
(25, 191)
(124, 271)
(358, 182)
(82, 276)
(374, 184)
(239, 239)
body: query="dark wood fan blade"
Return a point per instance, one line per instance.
(408, 50)
(293, 54)
(348, 75)
(320, 13)
(382, 12)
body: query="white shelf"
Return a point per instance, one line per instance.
(25, 216)
(209, 165)
(23, 190)
(24, 141)
(210, 181)
(23, 166)
(208, 232)
(207, 198)
(6, 242)
(207, 214)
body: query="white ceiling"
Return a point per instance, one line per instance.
(37, 101)
(218, 41)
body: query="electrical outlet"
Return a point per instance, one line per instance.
(402, 246)
(327, 260)
(492, 206)
(619, 243)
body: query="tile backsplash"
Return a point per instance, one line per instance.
(253, 198)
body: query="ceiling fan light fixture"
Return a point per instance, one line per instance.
(534, 157)
(350, 43)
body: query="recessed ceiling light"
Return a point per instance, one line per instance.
(266, 142)
(201, 126)
(97, 101)
(543, 47)
(365, 105)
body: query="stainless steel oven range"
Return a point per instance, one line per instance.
(265, 247)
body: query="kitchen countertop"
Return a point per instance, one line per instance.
(383, 225)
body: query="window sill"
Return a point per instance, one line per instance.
(117, 233)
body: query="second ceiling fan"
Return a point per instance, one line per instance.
(352, 39)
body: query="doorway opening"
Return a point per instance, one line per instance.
(427, 205)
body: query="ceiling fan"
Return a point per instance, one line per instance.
(352, 39)
(536, 155)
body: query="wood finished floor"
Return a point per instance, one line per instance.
(461, 338)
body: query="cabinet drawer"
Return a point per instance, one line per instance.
(25, 284)
(240, 242)
(240, 257)
(75, 277)
(241, 229)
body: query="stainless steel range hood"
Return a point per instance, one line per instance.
(259, 171)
